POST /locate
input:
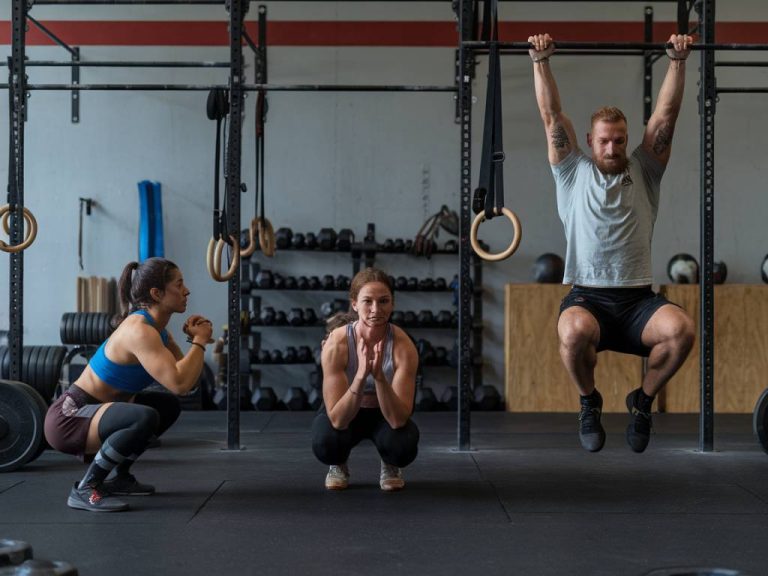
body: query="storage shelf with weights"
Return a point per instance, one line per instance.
(284, 318)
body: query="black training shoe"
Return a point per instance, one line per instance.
(94, 499)
(591, 432)
(127, 485)
(640, 424)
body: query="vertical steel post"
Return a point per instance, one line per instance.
(17, 95)
(707, 103)
(466, 60)
(648, 68)
(234, 369)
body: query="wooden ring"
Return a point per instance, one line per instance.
(29, 218)
(266, 237)
(213, 259)
(479, 219)
(252, 234)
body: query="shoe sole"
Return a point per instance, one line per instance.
(335, 488)
(391, 488)
(130, 493)
(597, 449)
(78, 505)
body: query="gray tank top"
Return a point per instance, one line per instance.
(387, 363)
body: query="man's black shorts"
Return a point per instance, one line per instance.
(622, 314)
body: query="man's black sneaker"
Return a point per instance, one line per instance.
(94, 499)
(591, 432)
(127, 485)
(639, 428)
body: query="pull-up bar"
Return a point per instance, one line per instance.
(245, 87)
(615, 46)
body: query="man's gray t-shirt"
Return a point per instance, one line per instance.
(608, 219)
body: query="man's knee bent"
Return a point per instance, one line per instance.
(577, 329)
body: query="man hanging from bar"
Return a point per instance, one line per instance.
(608, 204)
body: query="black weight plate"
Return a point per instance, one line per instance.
(760, 420)
(42, 406)
(5, 362)
(54, 365)
(89, 331)
(14, 552)
(21, 425)
(29, 372)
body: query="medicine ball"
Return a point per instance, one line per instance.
(764, 270)
(719, 273)
(548, 269)
(683, 269)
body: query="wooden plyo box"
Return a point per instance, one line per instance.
(536, 380)
(741, 349)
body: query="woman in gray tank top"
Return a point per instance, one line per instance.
(369, 383)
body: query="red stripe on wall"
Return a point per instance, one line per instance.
(346, 33)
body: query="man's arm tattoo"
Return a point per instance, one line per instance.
(663, 139)
(559, 137)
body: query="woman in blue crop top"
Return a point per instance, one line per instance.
(105, 417)
(369, 382)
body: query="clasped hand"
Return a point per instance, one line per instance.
(369, 359)
(197, 326)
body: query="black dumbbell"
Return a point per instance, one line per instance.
(289, 357)
(426, 352)
(264, 279)
(265, 357)
(408, 246)
(317, 354)
(314, 283)
(310, 240)
(413, 284)
(343, 282)
(315, 399)
(290, 283)
(304, 354)
(328, 282)
(277, 357)
(409, 318)
(296, 317)
(426, 284)
(397, 318)
(398, 245)
(278, 281)
(245, 238)
(295, 399)
(425, 318)
(450, 398)
(451, 246)
(401, 283)
(267, 316)
(298, 241)
(444, 318)
(327, 239)
(441, 355)
(310, 317)
(487, 398)
(344, 240)
(440, 284)
(425, 400)
(302, 283)
(283, 238)
(388, 245)
(264, 398)
(280, 318)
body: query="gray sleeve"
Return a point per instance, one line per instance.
(653, 170)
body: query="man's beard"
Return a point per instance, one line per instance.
(616, 167)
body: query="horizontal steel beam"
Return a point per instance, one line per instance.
(359, 1)
(736, 90)
(617, 46)
(247, 87)
(125, 64)
(742, 64)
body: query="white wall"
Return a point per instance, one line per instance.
(343, 160)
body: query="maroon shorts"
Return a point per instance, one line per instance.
(68, 420)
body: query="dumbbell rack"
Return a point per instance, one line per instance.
(253, 297)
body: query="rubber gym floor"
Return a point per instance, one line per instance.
(525, 500)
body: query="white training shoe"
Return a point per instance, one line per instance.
(337, 477)
(391, 478)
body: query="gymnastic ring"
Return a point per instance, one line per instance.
(5, 212)
(266, 237)
(252, 234)
(479, 219)
(213, 259)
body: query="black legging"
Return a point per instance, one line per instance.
(396, 446)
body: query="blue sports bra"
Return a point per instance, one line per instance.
(124, 377)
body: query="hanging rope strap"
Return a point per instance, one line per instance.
(218, 109)
(488, 200)
(29, 219)
(265, 231)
